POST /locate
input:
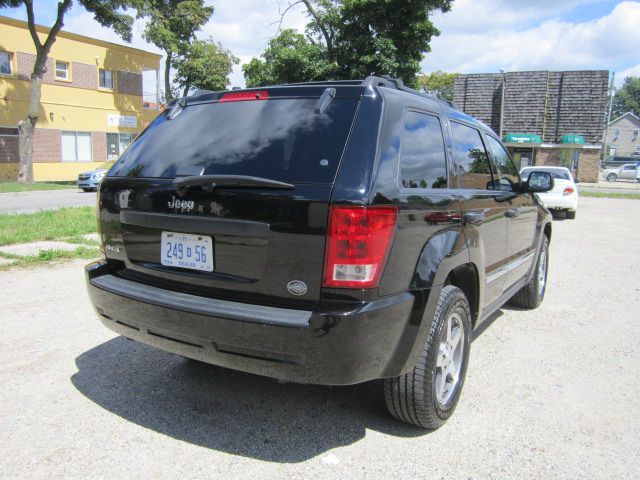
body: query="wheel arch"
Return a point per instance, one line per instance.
(466, 278)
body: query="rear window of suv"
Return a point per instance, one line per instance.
(279, 139)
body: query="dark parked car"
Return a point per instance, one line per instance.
(617, 161)
(327, 233)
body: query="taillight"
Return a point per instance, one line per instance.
(244, 96)
(358, 242)
(568, 191)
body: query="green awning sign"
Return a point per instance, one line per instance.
(522, 138)
(573, 138)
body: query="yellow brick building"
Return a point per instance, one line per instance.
(92, 100)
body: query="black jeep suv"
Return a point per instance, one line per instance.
(326, 232)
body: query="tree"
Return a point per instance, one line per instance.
(171, 26)
(290, 57)
(204, 65)
(438, 82)
(361, 37)
(387, 37)
(106, 12)
(627, 99)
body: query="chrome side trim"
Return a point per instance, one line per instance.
(495, 275)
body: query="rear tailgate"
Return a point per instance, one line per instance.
(267, 243)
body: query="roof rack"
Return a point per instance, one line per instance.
(371, 81)
(390, 82)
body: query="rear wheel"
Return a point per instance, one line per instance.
(612, 177)
(532, 294)
(427, 395)
(571, 214)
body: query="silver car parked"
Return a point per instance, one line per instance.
(626, 172)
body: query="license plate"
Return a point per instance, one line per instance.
(187, 251)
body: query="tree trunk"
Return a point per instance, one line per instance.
(186, 90)
(27, 126)
(167, 77)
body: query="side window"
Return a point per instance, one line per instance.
(471, 157)
(422, 156)
(507, 172)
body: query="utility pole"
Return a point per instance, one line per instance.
(612, 93)
(504, 81)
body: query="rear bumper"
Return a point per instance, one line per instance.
(369, 341)
(569, 202)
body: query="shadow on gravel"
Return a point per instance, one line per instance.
(483, 326)
(230, 411)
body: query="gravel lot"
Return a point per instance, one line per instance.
(550, 393)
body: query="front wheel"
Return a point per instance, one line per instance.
(531, 295)
(427, 395)
(612, 177)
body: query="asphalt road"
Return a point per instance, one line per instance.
(550, 393)
(29, 202)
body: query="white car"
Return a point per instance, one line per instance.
(564, 196)
(628, 172)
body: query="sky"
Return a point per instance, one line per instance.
(476, 35)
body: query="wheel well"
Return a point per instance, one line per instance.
(465, 277)
(547, 231)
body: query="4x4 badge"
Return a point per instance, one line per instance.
(297, 287)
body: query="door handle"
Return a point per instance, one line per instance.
(473, 218)
(512, 212)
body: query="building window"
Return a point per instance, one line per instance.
(62, 70)
(76, 147)
(423, 163)
(117, 144)
(5, 63)
(106, 79)
(634, 136)
(616, 134)
(8, 132)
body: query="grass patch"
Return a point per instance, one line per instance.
(633, 196)
(47, 225)
(45, 256)
(9, 187)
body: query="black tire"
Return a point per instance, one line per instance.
(612, 177)
(532, 294)
(571, 214)
(412, 397)
(86, 189)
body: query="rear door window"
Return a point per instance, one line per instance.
(471, 157)
(423, 162)
(279, 139)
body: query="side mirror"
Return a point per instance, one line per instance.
(539, 182)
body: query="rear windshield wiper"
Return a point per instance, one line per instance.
(209, 182)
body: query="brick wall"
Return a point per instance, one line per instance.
(589, 165)
(82, 75)
(129, 83)
(47, 145)
(548, 156)
(99, 142)
(8, 149)
(25, 61)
